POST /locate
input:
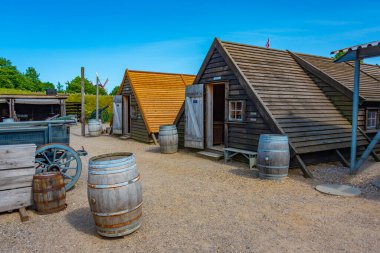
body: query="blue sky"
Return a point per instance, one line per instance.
(58, 37)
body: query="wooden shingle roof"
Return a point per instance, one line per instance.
(159, 95)
(289, 98)
(372, 70)
(344, 74)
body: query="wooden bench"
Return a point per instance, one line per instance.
(231, 152)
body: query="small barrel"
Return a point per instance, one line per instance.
(94, 127)
(115, 194)
(8, 120)
(273, 156)
(168, 139)
(49, 192)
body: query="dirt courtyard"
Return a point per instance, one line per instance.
(193, 204)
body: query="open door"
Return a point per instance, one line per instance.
(117, 112)
(194, 114)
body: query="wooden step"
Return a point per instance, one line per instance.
(212, 155)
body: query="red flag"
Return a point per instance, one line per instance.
(268, 44)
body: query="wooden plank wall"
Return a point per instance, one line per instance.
(181, 130)
(138, 129)
(16, 176)
(242, 135)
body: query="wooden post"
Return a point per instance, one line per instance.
(97, 97)
(10, 108)
(82, 116)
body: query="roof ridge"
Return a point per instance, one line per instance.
(156, 72)
(248, 45)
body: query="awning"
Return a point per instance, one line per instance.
(37, 101)
(362, 51)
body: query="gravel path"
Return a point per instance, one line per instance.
(196, 205)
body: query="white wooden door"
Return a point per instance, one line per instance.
(194, 115)
(117, 111)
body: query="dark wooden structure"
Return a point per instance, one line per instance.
(149, 100)
(274, 91)
(32, 107)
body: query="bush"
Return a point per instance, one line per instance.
(90, 103)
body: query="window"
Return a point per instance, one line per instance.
(236, 110)
(371, 119)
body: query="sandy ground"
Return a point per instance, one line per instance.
(196, 205)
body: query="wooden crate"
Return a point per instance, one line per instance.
(16, 176)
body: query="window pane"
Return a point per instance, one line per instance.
(371, 119)
(239, 105)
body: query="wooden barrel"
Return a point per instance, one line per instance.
(273, 156)
(115, 194)
(8, 120)
(94, 127)
(49, 192)
(168, 139)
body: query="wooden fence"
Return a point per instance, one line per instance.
(73, 108)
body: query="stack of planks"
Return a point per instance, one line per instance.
(16, 177)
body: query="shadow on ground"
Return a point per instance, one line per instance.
(154, 149)
(81, 220)
(244, 172)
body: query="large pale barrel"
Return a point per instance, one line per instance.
(115, 194)
(49, 192)
(94, 127)
(8, 120)
(168, 139)
(273, 156)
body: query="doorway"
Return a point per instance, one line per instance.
(126, 115)
(215, 116)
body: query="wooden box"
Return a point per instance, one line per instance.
(16, 176)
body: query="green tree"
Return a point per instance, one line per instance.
(32, 74)
(115, 91)
(10, 77)
(5, 63)
(74, 86)
(60, 87)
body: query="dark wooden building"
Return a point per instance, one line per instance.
(242, 91)
(150, 99)
(32, 107)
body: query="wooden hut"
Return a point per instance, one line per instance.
(150, 99)
(32, 107)
(242, 91)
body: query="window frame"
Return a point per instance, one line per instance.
(376, 112)
(242, 110)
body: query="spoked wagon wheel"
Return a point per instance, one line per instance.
(62, 158)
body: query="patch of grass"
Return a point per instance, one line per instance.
(4, 91)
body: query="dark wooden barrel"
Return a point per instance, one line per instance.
(115, 194)
(273, 156)
(168, 139)
(49, 192)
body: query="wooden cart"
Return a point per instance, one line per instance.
(52, 138)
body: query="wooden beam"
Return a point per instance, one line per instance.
(306, 172)
(341, 158)
(373, 153)
(154, 139)
(23, 214)
(83, 115)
